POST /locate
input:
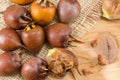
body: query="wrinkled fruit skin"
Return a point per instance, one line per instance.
(68, 10)
(9, 63)
(42, 14)
(57, 34)
(9, 39)
(107, 47)
(13, 14)
(111, 9)
(22, 2)
(32, 69)
(33, 39)
(61, 60)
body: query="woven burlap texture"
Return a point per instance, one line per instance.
(90, 13)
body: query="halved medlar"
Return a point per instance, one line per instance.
(61, 60)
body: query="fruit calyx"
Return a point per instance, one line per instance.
(25, 19)
(69, 40)
(43, 70)
(30, 26)
(45, 3)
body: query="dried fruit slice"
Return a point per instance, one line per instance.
(107, 45)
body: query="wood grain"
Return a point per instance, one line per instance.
(87, 55)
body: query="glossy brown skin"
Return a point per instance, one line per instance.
(31, 69)
(9, 39)
(22, 2)
(33, 39)
(42, 14)
(12, 16)
(57, 34)
(9, 63)
(68, 10)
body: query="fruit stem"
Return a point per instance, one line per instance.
(70, 40)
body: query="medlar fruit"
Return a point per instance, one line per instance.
(43, 11)
(68, 10)
(57, 34)
(33, 37)
(34, 69)
(111, 9)
(16, 16)
(22, 2)
(10, 63)
(9, 39)
(61, 60)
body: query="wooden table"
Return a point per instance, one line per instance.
(87, 55)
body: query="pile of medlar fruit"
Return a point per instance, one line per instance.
(26, 31)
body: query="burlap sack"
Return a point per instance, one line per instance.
(90, 13)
